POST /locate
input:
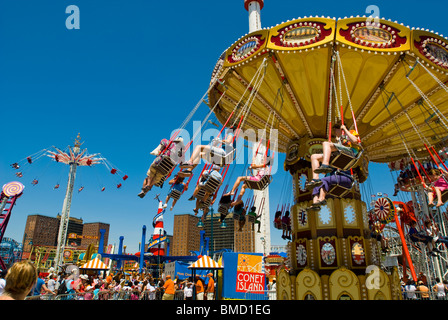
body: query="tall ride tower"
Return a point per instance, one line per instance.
(262, 239)
(74, 158)
(254, 7)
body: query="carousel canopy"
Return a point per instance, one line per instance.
(387, 80)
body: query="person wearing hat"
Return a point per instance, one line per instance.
(169, 288)
(423, 290)
(210, 289)
(188, 291)
(174, 150)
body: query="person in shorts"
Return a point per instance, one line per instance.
(347, 141)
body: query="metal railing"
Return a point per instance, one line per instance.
(108, 295)
(418, 295)
(261, 295)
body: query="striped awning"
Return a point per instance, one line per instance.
(95, 264)
(205, 262)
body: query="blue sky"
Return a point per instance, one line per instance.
(126, 79)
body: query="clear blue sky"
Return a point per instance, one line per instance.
(127, 78)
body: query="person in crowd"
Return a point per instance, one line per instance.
(170, 289)
(423, 290)
(439, 288)
(2, 281)
(199, 286)
(210, 289)
(20, 279)
(40, 287)
(188, 291)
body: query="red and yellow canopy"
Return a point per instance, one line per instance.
(391, 77)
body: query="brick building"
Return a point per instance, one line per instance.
(186, 236)
(42, 230)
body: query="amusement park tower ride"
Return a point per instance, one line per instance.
(74, 158)
(262, 239)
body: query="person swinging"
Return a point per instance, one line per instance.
(440, 184)
(217, 149)
(347, 142)
(263, 169)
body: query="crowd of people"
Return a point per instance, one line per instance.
(23, 280)
(423, 290)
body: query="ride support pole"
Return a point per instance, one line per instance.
(405, 247)
(439, 159)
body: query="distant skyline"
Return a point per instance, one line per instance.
(124, 80)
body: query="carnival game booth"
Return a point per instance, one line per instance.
(94, 266)
(206, 264)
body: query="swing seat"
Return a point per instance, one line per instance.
(250, 218)
(165, 165)
(444, 196)
(175, 194)
(339, 191)
(223, 208)
(211, 185)
(342, 161)
(205, 204)
(220, 160)
(261, 184)
(160, 182)
(278, 225)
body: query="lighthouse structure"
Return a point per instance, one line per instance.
(254, 7)
(158, 244)
(262, 238)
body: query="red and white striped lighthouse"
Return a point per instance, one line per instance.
(159, 249)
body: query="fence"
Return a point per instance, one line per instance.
(261, 295)
(108, 295)
(417, 295)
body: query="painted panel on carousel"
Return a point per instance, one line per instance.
(300, 212)
(373, 34)
(301, 253)
(433, 49)
(302, 34)
(246, 48)
(358, 252)
(325, 216)
(365, 215)
(349, 213)
(327, 252)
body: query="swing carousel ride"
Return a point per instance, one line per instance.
(380, 78)
(74, 157)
